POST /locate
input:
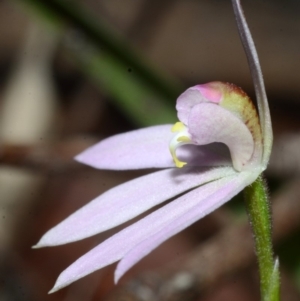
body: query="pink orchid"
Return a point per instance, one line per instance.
(218, 147)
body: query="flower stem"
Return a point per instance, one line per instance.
(258, 208)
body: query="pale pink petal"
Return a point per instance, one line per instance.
(143, 148)
(220, 192)
(127, 201)
(257, 76)
(209, 92)
(211, 123)
(121, 243)
(148, 148)
(186, 101)
(214, 154)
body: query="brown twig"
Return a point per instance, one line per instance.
(54, 157)
(228, 252)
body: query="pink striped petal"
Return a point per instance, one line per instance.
(127, 201)
(121, 243)
(211, 123)
(225, 189)
(143, 148)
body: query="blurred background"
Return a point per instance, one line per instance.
(75, 72)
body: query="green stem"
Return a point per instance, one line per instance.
(258, 208)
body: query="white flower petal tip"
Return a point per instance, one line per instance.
(54, 289)
(66, 278)
(58, 287)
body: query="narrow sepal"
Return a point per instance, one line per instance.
(258, 81)
(127, 201)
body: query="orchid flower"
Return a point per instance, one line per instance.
(219, 146)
